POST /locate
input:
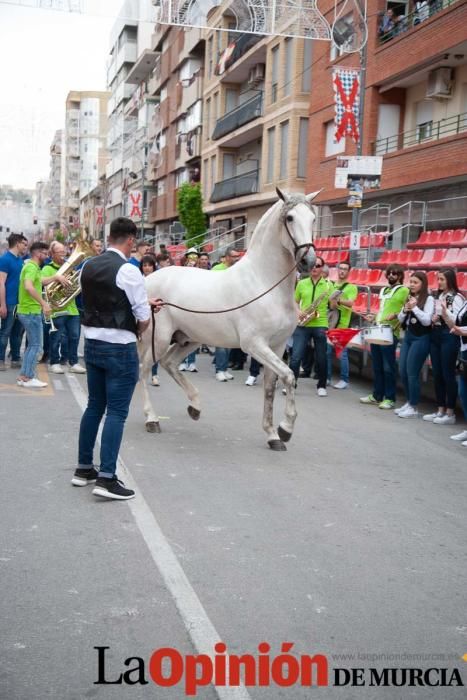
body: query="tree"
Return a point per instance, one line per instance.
(190, 213)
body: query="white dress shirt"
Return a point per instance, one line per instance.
(130, 280)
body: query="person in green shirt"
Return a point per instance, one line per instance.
(222, 354)
(31, 305)
(342, 306)
(383, 357)
(66, 321)
(308, 291)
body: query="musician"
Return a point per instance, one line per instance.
(115, 312)
(383, 357)
(415, 319)
(313, 289)
(341, 305)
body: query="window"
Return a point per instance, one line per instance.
(210, 55)
(215, 103)
(307, 58)
(284, 150)
(213, 172)
(208, 119)
(331, 147)
(288, 66)
(302, 147)
(205, 178)
(424, 120)
(271, 139)
(228, 166)
(274, 73)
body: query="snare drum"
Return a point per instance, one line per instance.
(378, 335)
(357, 342)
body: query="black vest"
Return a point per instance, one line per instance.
(104, 304)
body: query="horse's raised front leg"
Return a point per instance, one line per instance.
(277, 368)
(170, 363)
(151, 419)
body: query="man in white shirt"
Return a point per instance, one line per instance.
(115, 311)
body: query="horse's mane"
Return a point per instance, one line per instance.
(264, 224)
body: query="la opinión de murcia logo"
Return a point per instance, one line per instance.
(167, 667)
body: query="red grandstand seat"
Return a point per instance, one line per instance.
(353, 275)
(414, 257)
(345, 242)
(462, 282)
(403, 257)
(459, 238)
(364, 240)
(445, 238)
(377, 240)
(374, 303)
(427, 239)
(342, 256)
(424, 262)
(407, 274)
(330, 257)
(432, 280)
(376, 278)
(363, 277)
(333, 242)
(384, 260)
(361, 303)
(440, 256)
(461, 260)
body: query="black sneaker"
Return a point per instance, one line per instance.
(83, 477)
(112, 488)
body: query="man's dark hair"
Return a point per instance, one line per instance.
(344, 262)
(140, 243)
(121, 229)
(318, 257)
(398, 269)
(204, 255)
(15, 238)
(38, 245)
(162, 257)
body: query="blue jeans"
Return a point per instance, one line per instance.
(10, 330)
(191, 358)
(33, 326)
(344, 360)
(70, 327)
(383, 358)
(112, 373)
(444, 348)
(301, 338)
(463, 387)
(222, 359)
(414, 352)
(255, 367)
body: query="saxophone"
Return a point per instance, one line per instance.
(311, 310)
(58, 296)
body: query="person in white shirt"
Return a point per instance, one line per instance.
(459, 328)
(116, 310)
(415, 318)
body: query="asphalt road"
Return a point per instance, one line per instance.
(351, 542)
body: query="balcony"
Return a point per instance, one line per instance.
(415, 18)
(242, 44)
(246, 112)
(127, 54)
(430, 131)
(237, 186)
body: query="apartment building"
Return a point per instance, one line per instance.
(55, 176)
(85, 149)
(255, 137)
(175, 130)
(415, 108)
(126, 141)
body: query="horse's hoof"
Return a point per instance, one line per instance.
(277, 445)
(284, 434)
(153, 426)
(193, 412)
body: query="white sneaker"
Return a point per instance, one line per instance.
(409, 412)
(33, 383)
(155, 380)
(57, 369)
(182, 367)
(464, 443)
(401, 408)
(431, 416)
(445, 420)
(322, 392)
(192, 367)
(220, 376)
(77, 369)
(251, 381)
(341, 385)
(228, 375)
(460, 436)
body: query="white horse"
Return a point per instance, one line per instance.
(283, 237)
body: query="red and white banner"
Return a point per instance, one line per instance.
(346, 85)
(135, 201)
(99, 215)
(340, 337)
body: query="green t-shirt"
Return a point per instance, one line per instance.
(219, 266)
(26, 304)
(70, 309)
(350, 292)
(391, 302)
(306, 293)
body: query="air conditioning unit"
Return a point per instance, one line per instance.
(440, 83)
(256, 75)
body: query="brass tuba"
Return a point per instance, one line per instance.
(311, 311)
(58, 296)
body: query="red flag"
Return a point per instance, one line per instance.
(340, 337)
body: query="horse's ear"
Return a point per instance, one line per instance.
(310, 197)
(282, 195)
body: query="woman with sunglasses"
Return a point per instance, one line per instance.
(415, 319)
(383, 357)
(444, 348)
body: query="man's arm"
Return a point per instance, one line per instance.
(29, 287)
(3, 308)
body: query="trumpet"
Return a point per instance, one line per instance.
(311, 311)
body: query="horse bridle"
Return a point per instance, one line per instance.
(297, 247)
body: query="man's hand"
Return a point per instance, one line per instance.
(369, 317)
(3, 311)
(46, 309)
(63, 281)
(156, 305)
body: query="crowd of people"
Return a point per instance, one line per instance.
(113, 309)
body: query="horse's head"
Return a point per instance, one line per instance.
(298, 216)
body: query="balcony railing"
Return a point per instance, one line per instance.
(236, 186)
(429, 131)
(405, 22)
(246, 112)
